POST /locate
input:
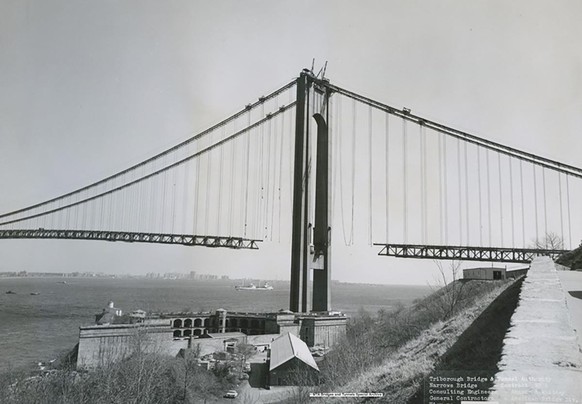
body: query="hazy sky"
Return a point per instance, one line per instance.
(89, 88)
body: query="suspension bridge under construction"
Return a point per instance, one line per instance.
(326, 165)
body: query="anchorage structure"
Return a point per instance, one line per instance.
(310, 243)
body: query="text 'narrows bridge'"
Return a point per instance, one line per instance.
(335, 160)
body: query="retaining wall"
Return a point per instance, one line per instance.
(541, 361)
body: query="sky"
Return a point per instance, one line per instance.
(89, 88)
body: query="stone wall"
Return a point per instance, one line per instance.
(541, 361)
(104, 344)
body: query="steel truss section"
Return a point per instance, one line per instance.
(133, 237)
(466, 253)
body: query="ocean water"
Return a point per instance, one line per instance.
(41, 327)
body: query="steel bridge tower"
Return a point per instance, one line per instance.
(310, 243)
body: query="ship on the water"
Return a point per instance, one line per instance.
(252, 286)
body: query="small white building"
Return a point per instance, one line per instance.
(486, 273)
(290, 362)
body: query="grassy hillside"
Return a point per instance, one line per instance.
(572, 259)
(395, 351)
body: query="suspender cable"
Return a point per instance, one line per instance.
(220, 169)
(445, 170)
(370, 128)
(247, 176)
(522, 203)
(387, 142)
(405, 179)
(545, 202)
(173, 198)
(341, 179)
(281, 176)
(333, 153)
(187, 169)
(196, 196)
(422, 186)
(500, 198)
(268, 181)
(569, 216)
(261, 175)
(202, 151)
(467, 192)
(480, 199)
(164, 204)
(460, 209)
(233, 174)
(100, 227)
(488, 196)
(353, 170)
(561, 210)
(511, 202)
(536, 200)
(440, 163)
(274, 181)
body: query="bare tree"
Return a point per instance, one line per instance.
(550, 241)
(450, 289)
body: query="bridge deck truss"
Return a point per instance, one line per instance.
(131, 237)
(466, 253)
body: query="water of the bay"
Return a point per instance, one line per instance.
(40, 327)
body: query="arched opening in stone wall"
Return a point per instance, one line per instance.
(188, 323)
(178, 323)
(198, 322)
(177, 334)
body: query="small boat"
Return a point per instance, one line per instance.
(34, 293)
(252, 286)
(63, 282)
(10, 292)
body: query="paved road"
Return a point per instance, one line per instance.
(572, 284)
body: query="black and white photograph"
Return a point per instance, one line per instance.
(291, 202)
